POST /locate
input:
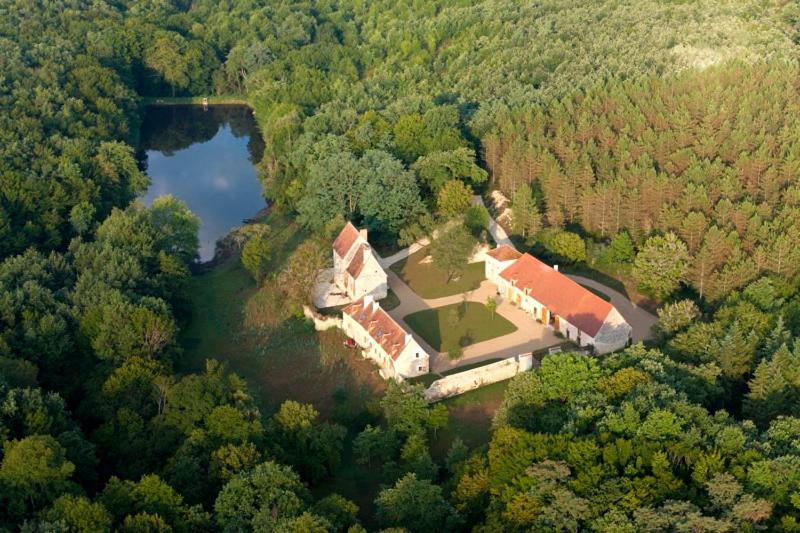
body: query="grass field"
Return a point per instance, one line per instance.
(429, 282)
(474, 324)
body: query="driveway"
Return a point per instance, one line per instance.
(530, 335)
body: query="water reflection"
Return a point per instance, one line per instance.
(205, 158)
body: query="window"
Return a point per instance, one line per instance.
(568, 333)
(421, 369)
(417, 355)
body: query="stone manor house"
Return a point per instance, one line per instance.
(547, 295)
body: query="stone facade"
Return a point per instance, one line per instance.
(383, 340)
(356, 270)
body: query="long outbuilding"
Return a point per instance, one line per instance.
(555, 300)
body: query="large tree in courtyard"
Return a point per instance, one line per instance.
(451, 250)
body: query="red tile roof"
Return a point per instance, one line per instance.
(380, 326)
(504, 253)
(559, 294)
(357, 262)
(345, 240)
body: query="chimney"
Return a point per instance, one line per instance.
(408, 339)
(363, 233)
(375, 306)
(368, 300)
(555, 267)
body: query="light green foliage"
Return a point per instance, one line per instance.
(491, 305)
(415, 457)
(661, 265)
(127, 501)
(565, 246)
(621, 249)
(256, 254)
(338, 511)
(675, 316)
(177, 227)
(304, 264)
(361, 107)
(233, 459)
(439, 167)
(119, 329)
(376, 187)
(77, 513)
(34, 471)
(476, 219)
(526, 220)
(406, 411)
(453, 199)
(418, 135)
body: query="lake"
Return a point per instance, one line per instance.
(207, 159)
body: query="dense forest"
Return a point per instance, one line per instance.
(658, 135)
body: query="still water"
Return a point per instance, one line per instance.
(207, 159)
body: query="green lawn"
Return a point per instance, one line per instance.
(475, 324)
(429, 282)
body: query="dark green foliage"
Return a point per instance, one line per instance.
(368, 111)
(416, 504)
(268, 492)
(298, 438)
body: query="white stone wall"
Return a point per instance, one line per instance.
(373, 280)
(468, 380)
(408, 363)
(613, 335)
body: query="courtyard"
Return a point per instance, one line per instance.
(463, 324)
(497, 341)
